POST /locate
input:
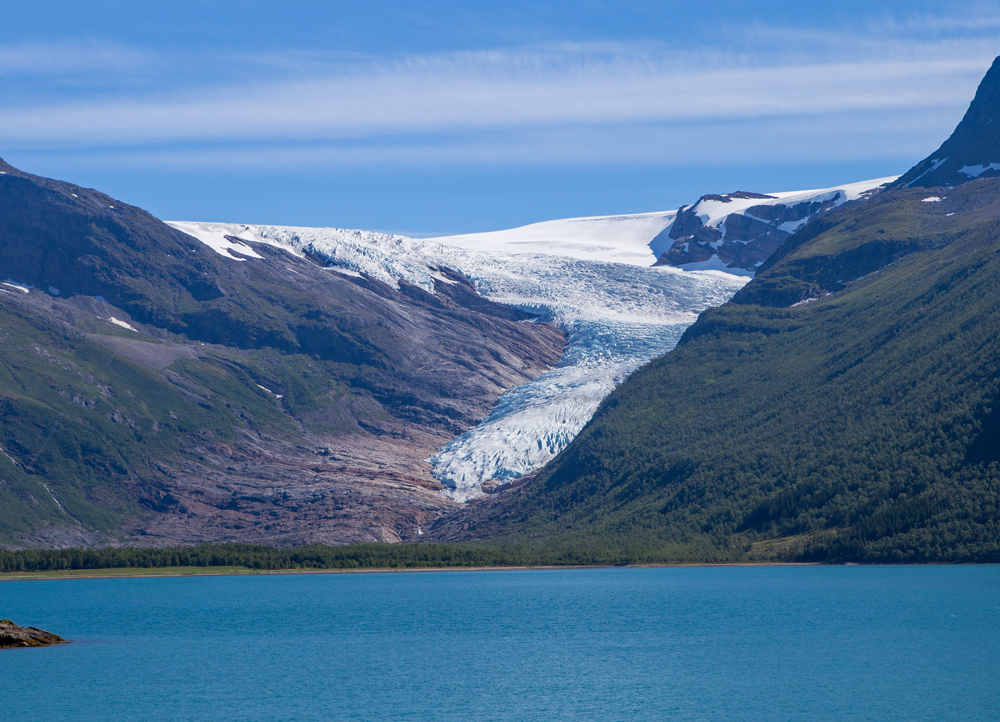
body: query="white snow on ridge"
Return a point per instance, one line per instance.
(215, 239)
(639, 239)
(714, 212)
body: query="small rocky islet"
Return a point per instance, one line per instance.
(12, 635)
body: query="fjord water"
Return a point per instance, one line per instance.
(759, 643)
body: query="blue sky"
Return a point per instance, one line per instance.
(443, 117)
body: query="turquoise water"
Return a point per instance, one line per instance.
(800, 643)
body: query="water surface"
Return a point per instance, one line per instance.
(765, 643)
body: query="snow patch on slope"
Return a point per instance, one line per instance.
(215, 238)
(123, 324)
(974, 171)
(715, 264)
(22, 287)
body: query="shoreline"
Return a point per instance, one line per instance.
(161, 572)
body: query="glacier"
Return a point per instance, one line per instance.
(590, 277)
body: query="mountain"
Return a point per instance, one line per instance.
(971, 151)
(842, 407)
(381, 359)
(402, 375)
(158, 389)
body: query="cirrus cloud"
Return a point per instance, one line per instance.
(782, 93)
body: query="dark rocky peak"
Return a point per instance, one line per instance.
(741, 234)
(972, 151)
(689, 218)
(738, 195)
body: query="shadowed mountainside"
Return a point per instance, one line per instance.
(971, 151)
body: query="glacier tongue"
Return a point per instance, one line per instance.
(617, 316)
(532, 423)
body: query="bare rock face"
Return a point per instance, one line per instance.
(11, 636)
(262, 490)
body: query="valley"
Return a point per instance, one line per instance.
(197, 382)
(359, 386)
(596, 279)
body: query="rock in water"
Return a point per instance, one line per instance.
(12, 635)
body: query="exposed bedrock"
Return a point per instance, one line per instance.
(13, 636)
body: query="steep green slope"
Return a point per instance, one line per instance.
(860, 426)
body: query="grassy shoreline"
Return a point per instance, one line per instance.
(144, 573)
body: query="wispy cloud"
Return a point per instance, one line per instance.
(76, 58)
(769, 141)
(604, 102)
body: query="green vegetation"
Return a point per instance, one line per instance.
(357, 556)
(863, 426)
(81, 422)
(125, 572)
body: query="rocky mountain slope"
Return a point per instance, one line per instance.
(737, 232)
(841, 407)
(156, 389)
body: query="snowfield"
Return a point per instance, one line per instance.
(636, 239)
(591, 277)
